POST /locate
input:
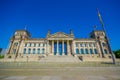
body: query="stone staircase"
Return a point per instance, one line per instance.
(53, 58)
(49, 58)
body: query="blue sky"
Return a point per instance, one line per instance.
(59, 15)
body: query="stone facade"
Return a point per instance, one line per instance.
(23, 47)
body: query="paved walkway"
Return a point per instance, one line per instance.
(67, 73)
(87, 77)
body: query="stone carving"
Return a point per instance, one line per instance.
(60, 35)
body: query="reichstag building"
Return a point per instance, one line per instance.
(58, 47)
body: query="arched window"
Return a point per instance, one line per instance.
(38, 50)
(43, 51)
(103, 44)
(81, 51)
(34, 50)
(77, 51)
(24, 51)
(105, 51)
(86, 51)
(95, 50)
(29, 51)
(16, 43)
(91, 51)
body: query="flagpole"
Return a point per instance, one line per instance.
(113, 57)
(25, 28)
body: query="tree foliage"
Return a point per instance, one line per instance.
(117, 53)
(1, 56)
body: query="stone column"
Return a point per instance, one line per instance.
(63, 47)
(84, 49)
(47, 47)
(52, 47)
(93, 53)
(79, 48)
(73, 48)
(57, 47)
(88, 47)
(68, 48)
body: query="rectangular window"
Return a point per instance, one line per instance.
(90, 44)
(39, 45)
(14, 51)
(25, 44)
(30, 44)
(43, 45)
(76, 44)
(85, 45)
(94, 45)
(81, 45)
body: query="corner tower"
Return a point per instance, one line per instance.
(100, 38)
(15, 42)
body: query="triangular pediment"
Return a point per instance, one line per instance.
(59, 35)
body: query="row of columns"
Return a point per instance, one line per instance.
(68, 47)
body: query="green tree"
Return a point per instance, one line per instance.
(1, 56)
(117, 53)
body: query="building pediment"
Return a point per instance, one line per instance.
(59, 35)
